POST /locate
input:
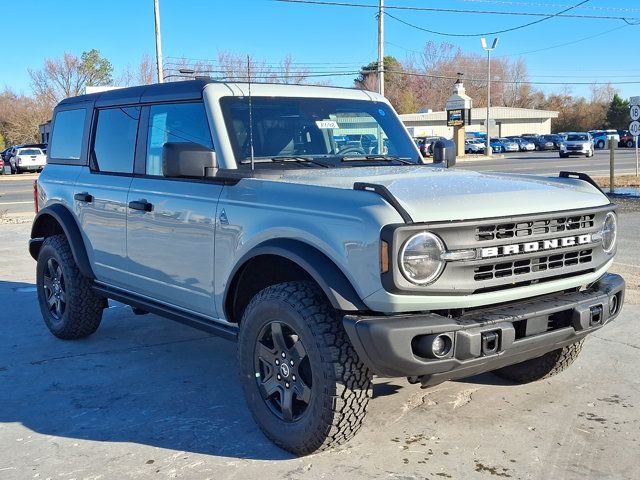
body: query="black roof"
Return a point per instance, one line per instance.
(170, 91)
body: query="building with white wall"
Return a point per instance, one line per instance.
(508, 121)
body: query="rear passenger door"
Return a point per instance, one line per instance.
(101, 190)
(170, 245)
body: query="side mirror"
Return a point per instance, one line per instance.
(188, 160)
(444, 151)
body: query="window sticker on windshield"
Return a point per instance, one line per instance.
(326, 124)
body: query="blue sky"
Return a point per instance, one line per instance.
(123, 31)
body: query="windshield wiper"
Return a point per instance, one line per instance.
(384, 158)
(290, 158)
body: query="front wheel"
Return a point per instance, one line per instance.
(545, 366)
(629, 143)
(304, 383)
(600, 144)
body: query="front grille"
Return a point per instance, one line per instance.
(532, 265)
(532, 228)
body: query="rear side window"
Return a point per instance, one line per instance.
(114, 143)
(66, 139)
(175, 123)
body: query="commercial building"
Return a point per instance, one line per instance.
(505, 121)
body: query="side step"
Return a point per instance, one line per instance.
(195, 321)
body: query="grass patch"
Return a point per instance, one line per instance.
(620, 181)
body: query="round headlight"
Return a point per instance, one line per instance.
(420, 258)
(609, 232)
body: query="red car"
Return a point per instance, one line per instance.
(1, 166)
(627, 140)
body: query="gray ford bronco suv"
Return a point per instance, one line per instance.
(302, 223)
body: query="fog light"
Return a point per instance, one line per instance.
(436, 346)
(441, 346)
(613, 305)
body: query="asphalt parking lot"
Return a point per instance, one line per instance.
(145, 397)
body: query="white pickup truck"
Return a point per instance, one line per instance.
(28, 159)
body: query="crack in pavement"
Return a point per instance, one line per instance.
(119, 350)
(617, 341)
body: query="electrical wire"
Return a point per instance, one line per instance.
(446, 34)
(453, 10)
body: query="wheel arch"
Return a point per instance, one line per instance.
(55, 220)
(284, 260)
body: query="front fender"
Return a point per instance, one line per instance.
(320, 268)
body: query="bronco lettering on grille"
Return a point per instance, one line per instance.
(540, 245)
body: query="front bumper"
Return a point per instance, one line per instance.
(523, 330)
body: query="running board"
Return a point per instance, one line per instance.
(195, 321)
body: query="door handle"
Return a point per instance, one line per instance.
(141, 205)
(83, 197)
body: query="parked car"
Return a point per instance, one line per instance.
(627, 140)
(1, 166)
(496, 145)
(473, 147)
(600, 137)
(555, 139)
(524, 144)
(539, 142)
(577, 143)
(425, 144)
(509, 145)
(5, 154)
(325, 268)
(29, 159)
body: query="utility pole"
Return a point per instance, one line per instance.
(483, 41)
(381, 48)
(156, 10)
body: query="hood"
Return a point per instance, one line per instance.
(438, 194)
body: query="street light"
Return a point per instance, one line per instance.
(483, 40)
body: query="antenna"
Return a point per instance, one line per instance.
(250, 113)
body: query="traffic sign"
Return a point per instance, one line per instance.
(634, 101)
(635, 112)
(634, 128)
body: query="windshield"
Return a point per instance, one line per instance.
(315, 128)
(577, 138)
(29, 151)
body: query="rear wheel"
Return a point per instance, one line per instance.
(69, 306)
(629, 143)
(600, 144)
(545, 366)
(303, 381)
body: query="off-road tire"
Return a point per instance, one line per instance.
(83, 307)
(341, 386)
(542, 367)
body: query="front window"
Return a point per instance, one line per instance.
(577, 138)
(333, 132)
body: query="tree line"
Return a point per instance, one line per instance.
(421, 81)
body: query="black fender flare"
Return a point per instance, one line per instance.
(42, 228)
(316, 264)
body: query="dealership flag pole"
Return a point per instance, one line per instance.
(156, 11)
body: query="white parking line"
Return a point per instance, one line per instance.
(17, 203)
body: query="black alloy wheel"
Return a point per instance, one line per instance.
(283, 373)
(54, 289)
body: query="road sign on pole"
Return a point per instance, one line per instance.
(635, 112)
(634, 128)
(634, 101)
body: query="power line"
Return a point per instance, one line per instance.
(453, 10)
(552, 5)
(540, 20)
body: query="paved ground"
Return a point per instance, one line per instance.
(145, 397)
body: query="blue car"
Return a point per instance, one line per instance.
(496, 145)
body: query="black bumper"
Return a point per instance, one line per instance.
(486, 339)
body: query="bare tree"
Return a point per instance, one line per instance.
(70, 75)
(20, 117)
(143, 74)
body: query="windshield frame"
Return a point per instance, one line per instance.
(381, 112)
